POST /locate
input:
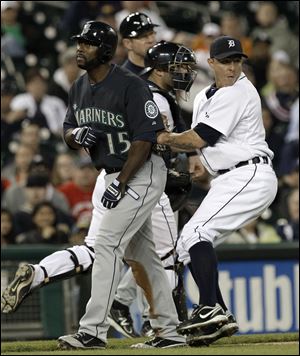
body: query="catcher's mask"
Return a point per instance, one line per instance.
(101, 35)
(175, 59)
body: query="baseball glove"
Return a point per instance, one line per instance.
(178, 187)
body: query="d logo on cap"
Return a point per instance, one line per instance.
(231, 43)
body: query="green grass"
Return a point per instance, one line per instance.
(263, 344)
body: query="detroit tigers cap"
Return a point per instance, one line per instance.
(226, 46)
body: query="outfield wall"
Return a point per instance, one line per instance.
(260, 284)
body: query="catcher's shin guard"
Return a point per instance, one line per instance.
(178, 293)
(78, 268)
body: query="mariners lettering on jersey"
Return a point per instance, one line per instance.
(94, 115)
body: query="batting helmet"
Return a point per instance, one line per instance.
(101, 35)
(169, 57)
(135, 25)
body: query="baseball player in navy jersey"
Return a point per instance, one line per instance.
(77, 259)
(227, 130)
(111, 113)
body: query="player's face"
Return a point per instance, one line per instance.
(226, 70)
(86, 54)
(141, 44)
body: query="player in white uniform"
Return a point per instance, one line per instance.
(228, 131)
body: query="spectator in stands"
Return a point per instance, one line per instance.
(16, 172)
(260, 59)
(232, 25)
(45, 110)
(63, 169)
(274, 137)
(288, 228)
(10, 123)
(15, 196)
(7, 228)
(65, 75)
(276, 27)
(79, 191)
(79, 12)
(46, 227)
(201, 44)
(13, 41)
(293, 128)
(256, 232)
(5, 183)
(35, 193)
(281, 92)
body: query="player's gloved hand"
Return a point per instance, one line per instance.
(85, 136)
(112, 195)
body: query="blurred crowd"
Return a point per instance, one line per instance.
(46, 189)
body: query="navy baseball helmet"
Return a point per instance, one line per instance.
(101, 35)
(169, 57)
(135, 25)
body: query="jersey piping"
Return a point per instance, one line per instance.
(233, 196)
(115, 258)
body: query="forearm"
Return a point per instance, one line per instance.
(69, 138)
(137, 156)
(185, 141)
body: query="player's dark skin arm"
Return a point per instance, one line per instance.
(137, 155)
(70, 140)
(185, 141)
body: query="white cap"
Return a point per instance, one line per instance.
(281, 56)
(211, 29)
(9, 5)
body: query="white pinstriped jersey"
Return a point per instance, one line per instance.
(234, 111)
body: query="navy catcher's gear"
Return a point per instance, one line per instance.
(101, 35)
(177, 188)
(135, 25)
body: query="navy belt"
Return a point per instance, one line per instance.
(264, 160)
(112, 170)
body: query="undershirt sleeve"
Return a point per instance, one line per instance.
(207, 133)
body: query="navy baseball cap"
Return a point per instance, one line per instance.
(225, 46)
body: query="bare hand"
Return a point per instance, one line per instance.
(196, 168)
(162, 137)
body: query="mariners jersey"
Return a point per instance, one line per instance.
(235, 112)
(121, 107)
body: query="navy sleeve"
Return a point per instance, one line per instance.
(142, 112)
(207, 133)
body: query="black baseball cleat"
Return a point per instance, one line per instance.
(158, 343)
(203, 316)
(120, 319)
(147, 330)
(80, 340)
(18, 289)
(212, 333)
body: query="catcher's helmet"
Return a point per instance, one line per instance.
(136, 24)
(170, 56)
(101, 35)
